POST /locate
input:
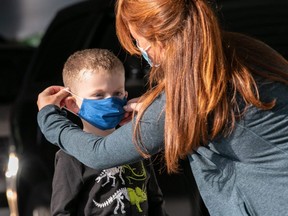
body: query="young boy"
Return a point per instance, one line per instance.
(96, 81)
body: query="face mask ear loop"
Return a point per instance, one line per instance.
(147, 48)
(145, 51)
(67, 90)
(140, 48)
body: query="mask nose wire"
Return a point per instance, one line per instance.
(67, 90)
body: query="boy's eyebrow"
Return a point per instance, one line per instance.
(97, 91)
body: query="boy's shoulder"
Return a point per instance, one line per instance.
(66, 158)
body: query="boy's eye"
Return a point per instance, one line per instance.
(99, 96)
(118, 94)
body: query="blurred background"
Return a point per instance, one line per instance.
(37, 36)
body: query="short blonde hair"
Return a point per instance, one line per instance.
(92, 60)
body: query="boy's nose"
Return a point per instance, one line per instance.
(108, 96)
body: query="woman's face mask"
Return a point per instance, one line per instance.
(145, 55)
(104, 113)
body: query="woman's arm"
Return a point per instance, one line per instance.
(104, 152)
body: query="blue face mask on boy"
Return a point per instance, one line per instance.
(104, 113)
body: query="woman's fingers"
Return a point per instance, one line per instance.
(133, 100)
(133, 105)
(127, 118)
(52, 95)
(130, 107)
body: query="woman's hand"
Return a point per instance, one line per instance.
(132, 105)
(52, 95)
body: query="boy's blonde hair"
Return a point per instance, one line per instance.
(90, 60)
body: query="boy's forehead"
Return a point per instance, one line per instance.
(100, 71)
(101, 78)
(99, 84)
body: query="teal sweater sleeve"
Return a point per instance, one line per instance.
(104, 152)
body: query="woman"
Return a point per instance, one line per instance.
(219, 98)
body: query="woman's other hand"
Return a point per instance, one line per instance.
(52, 95)
(132, 105)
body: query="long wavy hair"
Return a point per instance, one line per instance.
(203, 70)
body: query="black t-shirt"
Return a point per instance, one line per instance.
(124, 190)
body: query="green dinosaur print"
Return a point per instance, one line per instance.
(135, 176)
(137, 196)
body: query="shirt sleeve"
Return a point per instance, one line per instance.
(66, 185)
(113, 150)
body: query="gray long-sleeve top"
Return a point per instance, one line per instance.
(245, 173)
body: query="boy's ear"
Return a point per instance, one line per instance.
(70, 104)
(126, 94)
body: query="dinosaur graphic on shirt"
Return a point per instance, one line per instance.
(141, 176)
(118, 196)
(135, 196)
(110, 174)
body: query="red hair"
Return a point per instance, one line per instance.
(201, 74)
